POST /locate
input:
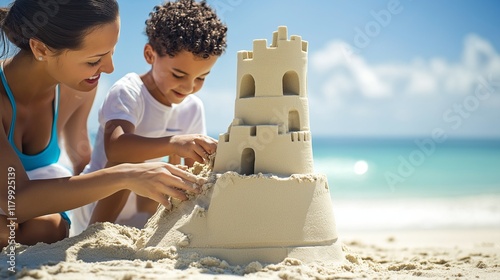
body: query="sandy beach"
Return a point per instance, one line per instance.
(372, 246)
(111, 251)
(106, 251)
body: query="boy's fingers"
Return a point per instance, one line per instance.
(199, 154)
(208, 144)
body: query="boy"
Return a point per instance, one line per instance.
(149, 116)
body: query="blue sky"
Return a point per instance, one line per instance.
(382, 68)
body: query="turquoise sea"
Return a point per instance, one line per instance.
(411, 183)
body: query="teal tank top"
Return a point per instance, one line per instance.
(51, 153)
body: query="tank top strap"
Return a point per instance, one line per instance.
(56, 110)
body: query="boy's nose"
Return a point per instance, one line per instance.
(188, 86)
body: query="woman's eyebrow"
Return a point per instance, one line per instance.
(99, 54)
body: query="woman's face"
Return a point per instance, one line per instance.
(81, 69)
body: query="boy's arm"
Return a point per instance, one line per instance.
(108, 209)
(122, 145)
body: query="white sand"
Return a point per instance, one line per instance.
(110, 251)
(107, 251)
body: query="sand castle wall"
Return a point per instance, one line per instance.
(243, 219)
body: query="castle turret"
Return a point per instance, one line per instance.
(270, 130)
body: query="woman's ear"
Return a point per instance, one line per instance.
(39, 49)
(149, 54)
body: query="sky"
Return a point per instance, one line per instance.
(378, 68)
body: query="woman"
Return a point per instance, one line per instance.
(64, 46)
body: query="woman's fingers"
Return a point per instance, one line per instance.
(178, 182)
(161, 180)
(163, 200)
(186, 179)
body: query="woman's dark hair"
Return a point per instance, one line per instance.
(186, 25)
(59, 24)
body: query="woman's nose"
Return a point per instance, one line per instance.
(107, 65)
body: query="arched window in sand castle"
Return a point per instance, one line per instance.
(247, 87)
(247, 161)
(293, 121)
(291, 85)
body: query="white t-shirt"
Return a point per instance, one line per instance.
(128, 99)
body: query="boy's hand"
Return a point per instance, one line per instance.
(197, 147)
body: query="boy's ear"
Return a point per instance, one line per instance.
(39, 49)
(149, 54)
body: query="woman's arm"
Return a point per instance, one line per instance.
(33, 198)
(75, 109)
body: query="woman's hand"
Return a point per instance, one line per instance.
(160, 180)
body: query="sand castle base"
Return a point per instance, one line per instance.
(262, 218)
(243, 256)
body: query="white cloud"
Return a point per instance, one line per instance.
(435, 76)
(395, 98)
(422, 82)
(479, 54)
(338, 56)
(334, 54)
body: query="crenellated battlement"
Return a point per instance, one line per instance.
(280, 43)
(265, 133)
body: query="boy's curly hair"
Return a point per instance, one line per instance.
(186, 25)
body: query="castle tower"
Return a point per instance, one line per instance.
(270, 129)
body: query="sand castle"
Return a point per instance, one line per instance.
(266, 203)
(270, 131)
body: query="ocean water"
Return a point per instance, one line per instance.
(385, 184)
(411, 183)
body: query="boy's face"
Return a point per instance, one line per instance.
(177, 77)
